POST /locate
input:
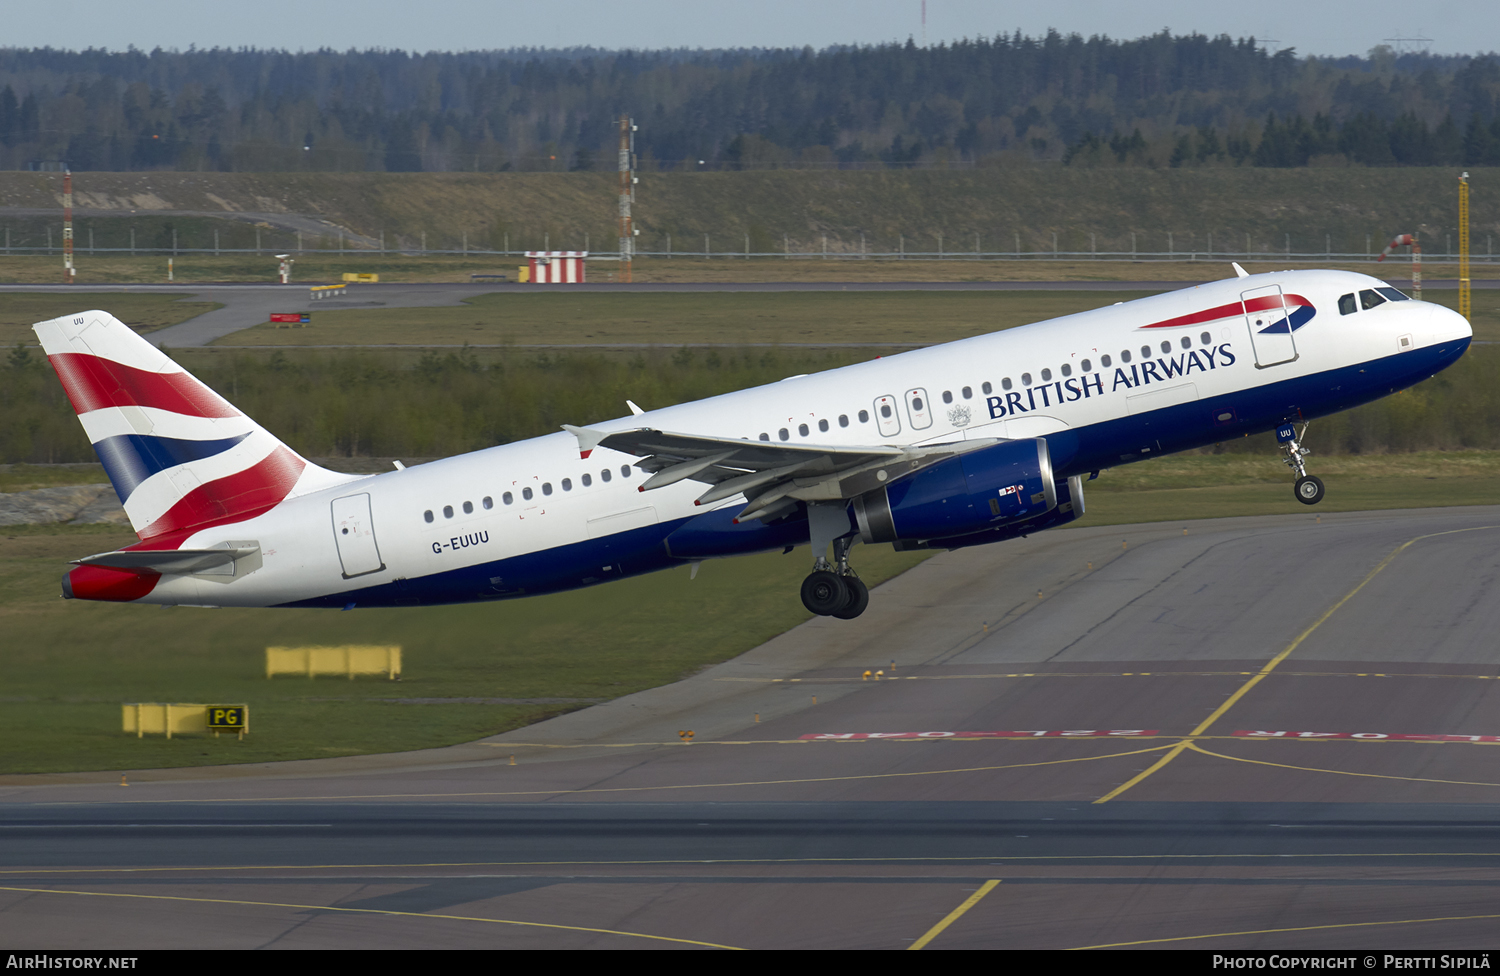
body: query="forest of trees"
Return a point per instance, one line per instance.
(1012, 100)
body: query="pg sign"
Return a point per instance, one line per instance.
(228, 718)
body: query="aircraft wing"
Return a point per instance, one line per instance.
(774, 477)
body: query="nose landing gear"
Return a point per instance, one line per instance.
(1309, 488)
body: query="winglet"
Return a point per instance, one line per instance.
(588, 439)
(1239, 271)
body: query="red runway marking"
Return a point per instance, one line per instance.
(1406, 737)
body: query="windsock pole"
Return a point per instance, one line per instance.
(68, 227)
(1403, 240)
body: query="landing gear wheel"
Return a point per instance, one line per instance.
(1309, 490)
(859, 598)
(824, 593)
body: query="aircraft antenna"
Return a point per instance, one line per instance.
(1465, 302)
(68, 271)
(628, 181)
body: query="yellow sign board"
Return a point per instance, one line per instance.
(175, 718)
(349, 660)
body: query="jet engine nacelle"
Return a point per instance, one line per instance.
(1069, 507)
(976, 492)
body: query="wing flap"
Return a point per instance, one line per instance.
(771, 476)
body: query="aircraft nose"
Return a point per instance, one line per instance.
(1447, 324)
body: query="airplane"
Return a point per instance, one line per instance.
(954, 445)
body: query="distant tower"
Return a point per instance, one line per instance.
(627, 196)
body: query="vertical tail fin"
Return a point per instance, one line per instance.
(180, 456)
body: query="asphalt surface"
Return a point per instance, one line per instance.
(246, 306)
(1242, 733)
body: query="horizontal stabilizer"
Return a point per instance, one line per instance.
(170, 561)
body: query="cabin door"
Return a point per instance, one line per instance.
(1270, 326)
(354, 532)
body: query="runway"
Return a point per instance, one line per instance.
(1277, 732)
(247, 305)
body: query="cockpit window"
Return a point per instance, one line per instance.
(1393, 294)
(1346, 304)
(1368, 299)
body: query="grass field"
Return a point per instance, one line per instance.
(69, 665)
(673, 319)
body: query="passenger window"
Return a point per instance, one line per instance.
(468, 508)
(1187, 342)
(843, 420)
(427, 515)
(784, 434)
(1124, 355)
(1104, 359)
(1346, 304)
(765, 437)
(1166, 347)
(1046, 376)
(968, 393)
(1006, 384)
(986, 389)
(864, 416)
(1206, 339)
(802, 429)
(507, 498)
(1368, 299)
(488, 503)
(546, 487)
(1088, 367)
(823, 426)
(447, 511)
(885, 410)
(587, 480)
(1146, 352)
(567, 484)
(526, 494)
(604, 475)
(947, 396)
(1025, 379)
(624, 470)
(1068, 370)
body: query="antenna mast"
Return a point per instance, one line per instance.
(1465, 298)
(627, 196)
(68, 271)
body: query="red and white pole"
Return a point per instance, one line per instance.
(1405, 240)
(68, 270)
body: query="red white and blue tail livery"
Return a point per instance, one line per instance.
(961, 444)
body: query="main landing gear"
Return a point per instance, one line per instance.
(1309, 488)
(832, 590)
(835, 591)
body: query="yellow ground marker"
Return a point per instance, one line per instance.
(954, 915)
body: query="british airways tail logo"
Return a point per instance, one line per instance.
(1268, 314)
